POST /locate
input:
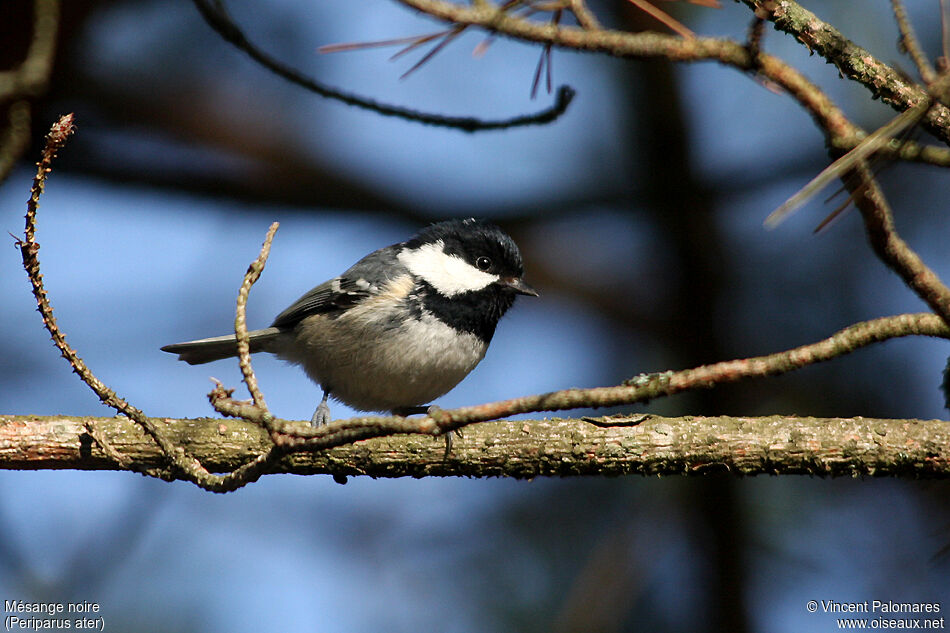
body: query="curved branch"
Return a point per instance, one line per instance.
(297, 436)
(240, 320)
(649, 386)
(853, 61)
(911, 44)
(891, 248)
(177, 463)
(216, 16)
(645, 45)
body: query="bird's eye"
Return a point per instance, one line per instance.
(483, 263)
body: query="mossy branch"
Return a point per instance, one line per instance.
(622, 445)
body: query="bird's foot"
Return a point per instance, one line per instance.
(448, 442)
(321, 417)
(430, 411)
(433, 411)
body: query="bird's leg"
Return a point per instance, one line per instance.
(321, 417)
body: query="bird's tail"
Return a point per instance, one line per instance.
(211, 349)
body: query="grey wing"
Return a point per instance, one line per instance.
(363, 279)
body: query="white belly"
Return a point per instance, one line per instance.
(373, 365)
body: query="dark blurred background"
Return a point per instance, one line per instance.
(639, 214)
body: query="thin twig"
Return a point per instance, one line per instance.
(298, 436)
(853, 62)
(584, 16)
(756, 34)
(647, 387)
(190, 468)
(911, 44)
(217, 17)
(95, 432)
(107, 447)
(646, 45)
(891, 249)
(240, 320)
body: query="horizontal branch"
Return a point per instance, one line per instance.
(619, 445)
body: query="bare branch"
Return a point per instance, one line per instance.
(853, 61)
(300, 436)
(891, 249)
(911, 44)
(649, 386)
(240, 320)
(217, 17)
(584, 16)
(619, 445)
(647, 45)
(177, 461)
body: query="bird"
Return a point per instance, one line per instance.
(401, 327)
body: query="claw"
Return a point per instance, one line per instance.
(448, 446)
(321, 417)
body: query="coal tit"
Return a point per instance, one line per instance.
(401, 327)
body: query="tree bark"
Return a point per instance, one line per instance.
(638, 444)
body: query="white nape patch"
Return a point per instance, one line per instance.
(448, 274)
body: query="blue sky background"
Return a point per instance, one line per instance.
(131, 267)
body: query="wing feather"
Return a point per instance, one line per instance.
(364, 279)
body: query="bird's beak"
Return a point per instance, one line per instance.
(518, 285)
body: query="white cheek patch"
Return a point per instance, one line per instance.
(448, 274)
